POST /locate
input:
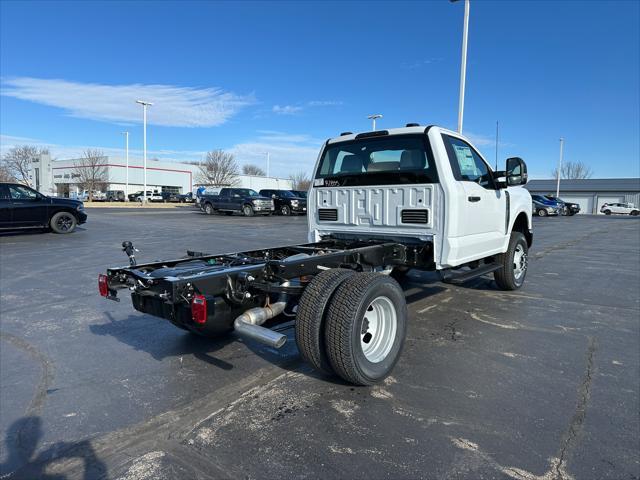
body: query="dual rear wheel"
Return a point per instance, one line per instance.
(352, 324)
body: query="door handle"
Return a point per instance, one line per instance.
(473, 199)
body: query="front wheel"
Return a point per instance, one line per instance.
(63, 222)
(607, 212)
(513, 263)
(365, 328)
(634, 213)
(208, 209)
(247, 211)
(285, 210)
(542, 213)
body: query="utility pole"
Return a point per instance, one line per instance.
(268, 162)
(144, 145)
(559, 168)
(463, 64)
(497, 128)
(126, 188)
(373, 119)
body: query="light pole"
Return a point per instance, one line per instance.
(126, 188)
(268, 162)
(463, 65)
(144, 145)
(373, 119)
(559, 168)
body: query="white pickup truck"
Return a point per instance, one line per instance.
(381, 203)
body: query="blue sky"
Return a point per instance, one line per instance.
(283, 76)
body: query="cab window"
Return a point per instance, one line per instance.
(20, 192)
(466, 163)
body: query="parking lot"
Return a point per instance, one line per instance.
(541, 383)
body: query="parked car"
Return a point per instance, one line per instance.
(566, 208)
(543, 207)
(299, 193)
(186, 198)
(115, 196)
(242, 200)
(619, 209)
(22, 207)
(285, 201)
(96, 196)
(133, 197)
(151, 196)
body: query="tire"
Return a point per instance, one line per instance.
(208, 209)
(311, 317)
(542, 212)
(607, 212)
(285, 210)
(63, 222)
(509, 277)
(362, 350)
(634, 213)
(247, 210)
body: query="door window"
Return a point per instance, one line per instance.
(20, 192)
(4, 193)
(466, 163)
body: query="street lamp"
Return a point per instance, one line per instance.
(373, 119)
(144, 145)
(559, 168)
(126, 188)
(463, 65)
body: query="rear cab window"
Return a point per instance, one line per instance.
(384, 160)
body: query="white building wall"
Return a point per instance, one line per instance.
(54, 174)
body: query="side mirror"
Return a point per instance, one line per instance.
(516, 171)
(273, 195)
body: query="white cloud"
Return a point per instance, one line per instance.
(289, 153)
(64, 152)
(174, 106)
(297, 108)
(286, 109)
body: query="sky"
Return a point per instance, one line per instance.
(282, 77)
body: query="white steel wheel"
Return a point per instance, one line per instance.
(519, 262)
(379, 328)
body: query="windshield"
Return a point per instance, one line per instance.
(377, 161)
(246, 192)
(287, 194)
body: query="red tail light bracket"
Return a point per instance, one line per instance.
(199, 309)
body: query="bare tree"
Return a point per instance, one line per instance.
(253, 170)
(218, 168)
(573, 171)
(300, 181)
(91, 171)
(5, 173)
(16, 163)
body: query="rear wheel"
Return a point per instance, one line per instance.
(607, 212)
(365, 328)
(542, 212)
(247, 211)
(634, 213)
(208, 209)
(63, 222)
(514, 263)
(311, 316)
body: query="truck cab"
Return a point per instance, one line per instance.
(426, 185)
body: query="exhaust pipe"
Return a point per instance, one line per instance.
(248, 325)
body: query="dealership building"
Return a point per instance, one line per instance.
(60, 177)
(591, 193)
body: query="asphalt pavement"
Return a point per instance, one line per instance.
(542, 383)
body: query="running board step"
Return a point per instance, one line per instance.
(450, 276)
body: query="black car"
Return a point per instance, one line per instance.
(567, 208)
(22, 207)
(286, 202)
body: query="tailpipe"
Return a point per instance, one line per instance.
(248, 325)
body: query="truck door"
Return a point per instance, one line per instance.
(5, 206)
(29, 207)
(482, 209)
